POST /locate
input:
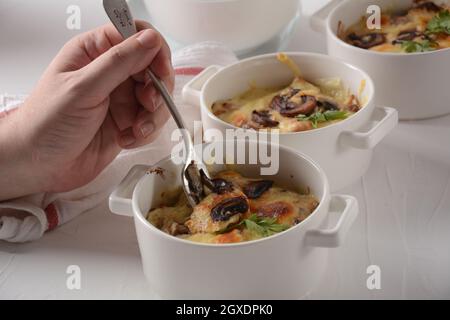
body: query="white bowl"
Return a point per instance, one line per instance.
(287, 265)
(343, 150)
(414, 83)
(240, 24)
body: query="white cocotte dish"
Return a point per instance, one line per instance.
(416, 84)
(287, 265)
(242, 25)
(343, 149)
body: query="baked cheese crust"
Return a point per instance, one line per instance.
(289, 109)
(231, 216)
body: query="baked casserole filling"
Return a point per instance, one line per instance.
(300, 106)
(234, 209)
(423, 27)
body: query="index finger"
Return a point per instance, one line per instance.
(162, 64)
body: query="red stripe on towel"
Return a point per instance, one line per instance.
(191, 71)
(52, 216)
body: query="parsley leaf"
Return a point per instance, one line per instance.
(414, 46)
(440, 23)
(262, 226)
(319, 117)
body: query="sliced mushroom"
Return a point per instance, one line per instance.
(291, 109)
(264, 119)
(327, 105)
(306, 107)
(219, 186)
(222, 186)
(255, 189)
(366, 41)
(229, 208)
(406, 36)
(279, 102)
(428, 5)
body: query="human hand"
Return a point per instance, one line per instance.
(91, 102)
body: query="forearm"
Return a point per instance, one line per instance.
(18, 175)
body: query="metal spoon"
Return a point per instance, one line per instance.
(120, 15)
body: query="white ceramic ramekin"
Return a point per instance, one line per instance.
(285, 266)
(240, 24)
(414, 83)
(343, 149)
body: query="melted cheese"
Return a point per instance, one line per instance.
(284, 58)
(238, 110)
(200, 220)
(286, 207)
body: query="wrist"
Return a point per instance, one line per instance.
(19, 172)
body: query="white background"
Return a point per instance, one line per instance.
(403, 225)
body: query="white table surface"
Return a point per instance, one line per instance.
(403, 225)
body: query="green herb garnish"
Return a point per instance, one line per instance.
(440, 23)
(262, 226)
(319, 117)
(414, 46)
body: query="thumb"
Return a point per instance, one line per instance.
(129, 57)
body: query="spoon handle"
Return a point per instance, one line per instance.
(120, 15)
(161, 87)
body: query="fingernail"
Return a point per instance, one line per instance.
(127, 140)
(146, 129)
(148, 38)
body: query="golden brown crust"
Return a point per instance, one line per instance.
(201, 221)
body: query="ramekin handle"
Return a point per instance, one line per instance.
(384, 120)
(334, 237)
(318, 20)
(120, 198)
(192, 90)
